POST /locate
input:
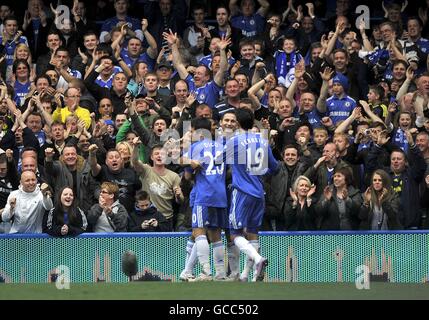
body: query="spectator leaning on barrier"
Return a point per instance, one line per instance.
(108, 215)
(65, 219)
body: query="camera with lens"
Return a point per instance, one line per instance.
(176, 115)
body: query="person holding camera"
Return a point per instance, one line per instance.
(145, 113)
(145, 217)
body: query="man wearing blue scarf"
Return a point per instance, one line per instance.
(286, 59)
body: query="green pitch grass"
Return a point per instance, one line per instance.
(213, 290)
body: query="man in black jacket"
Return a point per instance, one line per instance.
(117, 93)
(277, 187)
(54, 40)
(223, 27)
(165, 15)
(145, 217)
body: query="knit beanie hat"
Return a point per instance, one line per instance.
(342, 80)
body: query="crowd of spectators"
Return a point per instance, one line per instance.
(85, 108)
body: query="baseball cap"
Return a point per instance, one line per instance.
(141, 96)
(109, 122)
(164, 64)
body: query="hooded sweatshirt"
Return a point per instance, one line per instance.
(29, 211)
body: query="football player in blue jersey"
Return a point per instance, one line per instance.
(250, 157)
(208, 198)
(228, 125)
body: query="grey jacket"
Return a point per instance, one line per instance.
(118, 220)
(391, 207)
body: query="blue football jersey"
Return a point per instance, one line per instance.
(21, 90)
(209, 189)
(339, 109)
(10, 47)
(250, 157)
(208, 94)
(143, 57)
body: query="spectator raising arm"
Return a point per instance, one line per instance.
(234, 8)
(366, 43)
(264, 7)
(152, 51)
(419, 102)
(92, 159)
(404, 88)
(138, 127)
(122, 64)
(171, 39)
(259, 66)
(223, 44)
(136, 163)
(343, 126)
(369, 112)
(47, 117)
(256, 91)
(326, 76)
(333, 40)
(290, 7)
(52, 168)
(299, 73)
(116, 45)
(9, 102)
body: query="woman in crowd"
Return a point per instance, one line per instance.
(380, 209)
(125, 149)
(65, 219)
(299, 212)
(339, 205)
(21, 81)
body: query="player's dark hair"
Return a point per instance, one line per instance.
(245, 118)
(201, 123)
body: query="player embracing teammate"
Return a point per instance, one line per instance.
(249, 157)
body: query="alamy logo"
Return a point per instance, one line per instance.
(364, 16)
(62, 16)
(63, 277)
(362, 279)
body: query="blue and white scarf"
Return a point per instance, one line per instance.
(400, 140)
(285, 66)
